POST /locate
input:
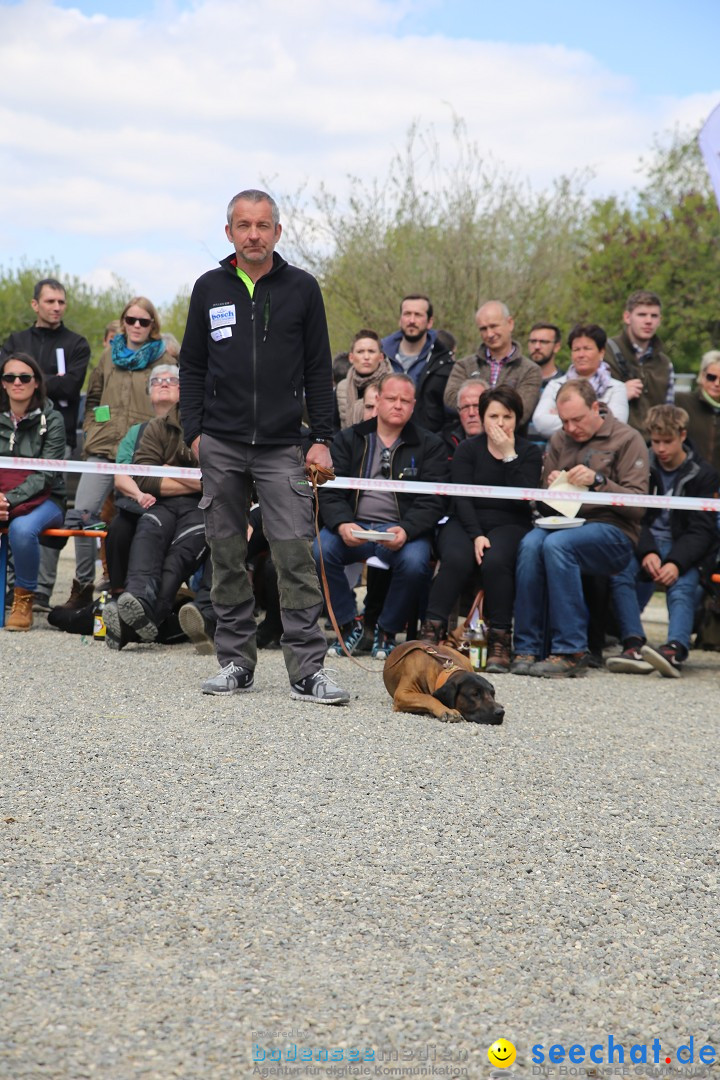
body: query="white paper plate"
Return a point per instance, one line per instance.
(370, 534)
(557, 522)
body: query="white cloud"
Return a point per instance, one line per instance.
(123, 138)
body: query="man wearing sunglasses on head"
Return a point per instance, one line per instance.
(389, 446)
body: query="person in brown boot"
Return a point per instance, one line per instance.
(30, 500)
(498, 654)
(21, 613)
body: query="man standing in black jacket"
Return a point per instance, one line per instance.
(62, 355)
(256, 342)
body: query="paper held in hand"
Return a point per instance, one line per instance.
(567, 507)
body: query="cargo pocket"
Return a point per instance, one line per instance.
(206, 505)
(302, 508)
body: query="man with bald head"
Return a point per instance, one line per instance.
(498, 361)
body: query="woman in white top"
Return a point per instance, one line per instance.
(587, 349)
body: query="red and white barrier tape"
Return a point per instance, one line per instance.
(413, 487)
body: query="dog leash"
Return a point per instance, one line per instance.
(318, 475)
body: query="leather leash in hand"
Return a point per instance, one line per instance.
(319, 475)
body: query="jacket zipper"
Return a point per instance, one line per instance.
(254, 366)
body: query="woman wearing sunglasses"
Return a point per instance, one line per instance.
(117, 398)
(29, 501)
(703, 409)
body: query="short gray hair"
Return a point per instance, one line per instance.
(470, 384)
(712, 357)
(504, 309)
(163, 369)
(256, 196)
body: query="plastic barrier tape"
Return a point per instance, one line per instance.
(417, 487)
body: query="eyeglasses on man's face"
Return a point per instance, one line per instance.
(135, 320)
(11, 377)
(467, 408)
(165, 380)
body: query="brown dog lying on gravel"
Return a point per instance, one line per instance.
(438, 680)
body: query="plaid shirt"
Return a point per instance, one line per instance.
(496, 366)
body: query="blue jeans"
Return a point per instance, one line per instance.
(548, 584)
(630, 597)
(410, 567)
(23, 535)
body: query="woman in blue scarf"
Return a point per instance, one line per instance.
(117, 398)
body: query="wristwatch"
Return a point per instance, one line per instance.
(598, 481)
(322, 440)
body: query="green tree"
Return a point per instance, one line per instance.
(666, 238)
(461, 230)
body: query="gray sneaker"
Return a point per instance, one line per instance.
(232, 679)
(319, 688)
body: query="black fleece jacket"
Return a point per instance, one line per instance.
(419, 451)
(245, 362)
(694, 532)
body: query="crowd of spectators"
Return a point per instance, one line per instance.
(406, 408)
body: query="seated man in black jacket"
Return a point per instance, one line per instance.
(387, 447)
(672, 545)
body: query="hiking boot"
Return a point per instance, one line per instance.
(432, 631)
(630, 660)
(193, 626)
(133, 614)
(81, 594)
(521, 663)
(319, 688)
(41, 602)
(351, 633)
(232, 679)
(498, 652)
(666, 659)
(561, 666)
(21, 613)
(383, 644)
(117, 634)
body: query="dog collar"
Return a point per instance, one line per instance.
(449, 668)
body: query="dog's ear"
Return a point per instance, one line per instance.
(448, 693)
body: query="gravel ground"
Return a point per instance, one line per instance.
(185, 879)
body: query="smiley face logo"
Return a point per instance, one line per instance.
(501, 1054)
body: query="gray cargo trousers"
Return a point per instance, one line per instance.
(228, 471)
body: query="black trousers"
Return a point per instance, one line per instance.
(458, 565)
(118, 541)
(168, 547)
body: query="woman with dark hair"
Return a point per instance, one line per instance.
(587, 352)
(486, 532)
(117, 398)
(29, 501)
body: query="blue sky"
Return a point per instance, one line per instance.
(159, 112)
